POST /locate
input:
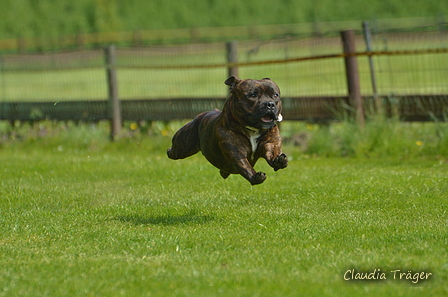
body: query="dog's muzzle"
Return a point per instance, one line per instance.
(266, 117)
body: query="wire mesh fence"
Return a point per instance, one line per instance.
(408, 63)
(53, 76)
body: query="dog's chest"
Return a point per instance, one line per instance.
(253, 138)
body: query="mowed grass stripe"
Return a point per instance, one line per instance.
(131, 222)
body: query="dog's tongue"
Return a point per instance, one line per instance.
(266, 119)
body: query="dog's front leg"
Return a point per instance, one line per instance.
(270, 148)
(274, 156)
(240, 164)
(248, 172)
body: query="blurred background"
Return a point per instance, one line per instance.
(55, 18)
(54, 63)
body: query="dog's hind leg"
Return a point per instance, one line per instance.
(224, 174)
(185, 142)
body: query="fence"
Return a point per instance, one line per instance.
(403, 72)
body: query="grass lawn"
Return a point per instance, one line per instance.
(124, 220)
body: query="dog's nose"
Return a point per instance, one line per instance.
(270, 105)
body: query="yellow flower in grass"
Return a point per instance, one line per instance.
(133, 126)
(419, 143)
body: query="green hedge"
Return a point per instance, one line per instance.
(46, 18)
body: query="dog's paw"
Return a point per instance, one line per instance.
(280, 162)
(258, 178)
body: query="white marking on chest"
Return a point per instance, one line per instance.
(253, 138)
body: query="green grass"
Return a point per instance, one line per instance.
(379, 138)
(87, 218)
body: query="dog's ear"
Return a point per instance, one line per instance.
(232, 81)
(266, 78)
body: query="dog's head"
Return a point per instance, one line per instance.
(254, 103)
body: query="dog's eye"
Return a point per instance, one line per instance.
(276, 95)
(252, 95)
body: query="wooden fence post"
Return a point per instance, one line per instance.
(232, 57)
(368, 41)
(114, 101)
(352, 74)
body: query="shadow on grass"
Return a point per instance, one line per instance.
(190, 218)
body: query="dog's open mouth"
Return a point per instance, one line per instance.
(267, 118)
(271, 117)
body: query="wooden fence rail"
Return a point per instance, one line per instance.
(313, 109)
